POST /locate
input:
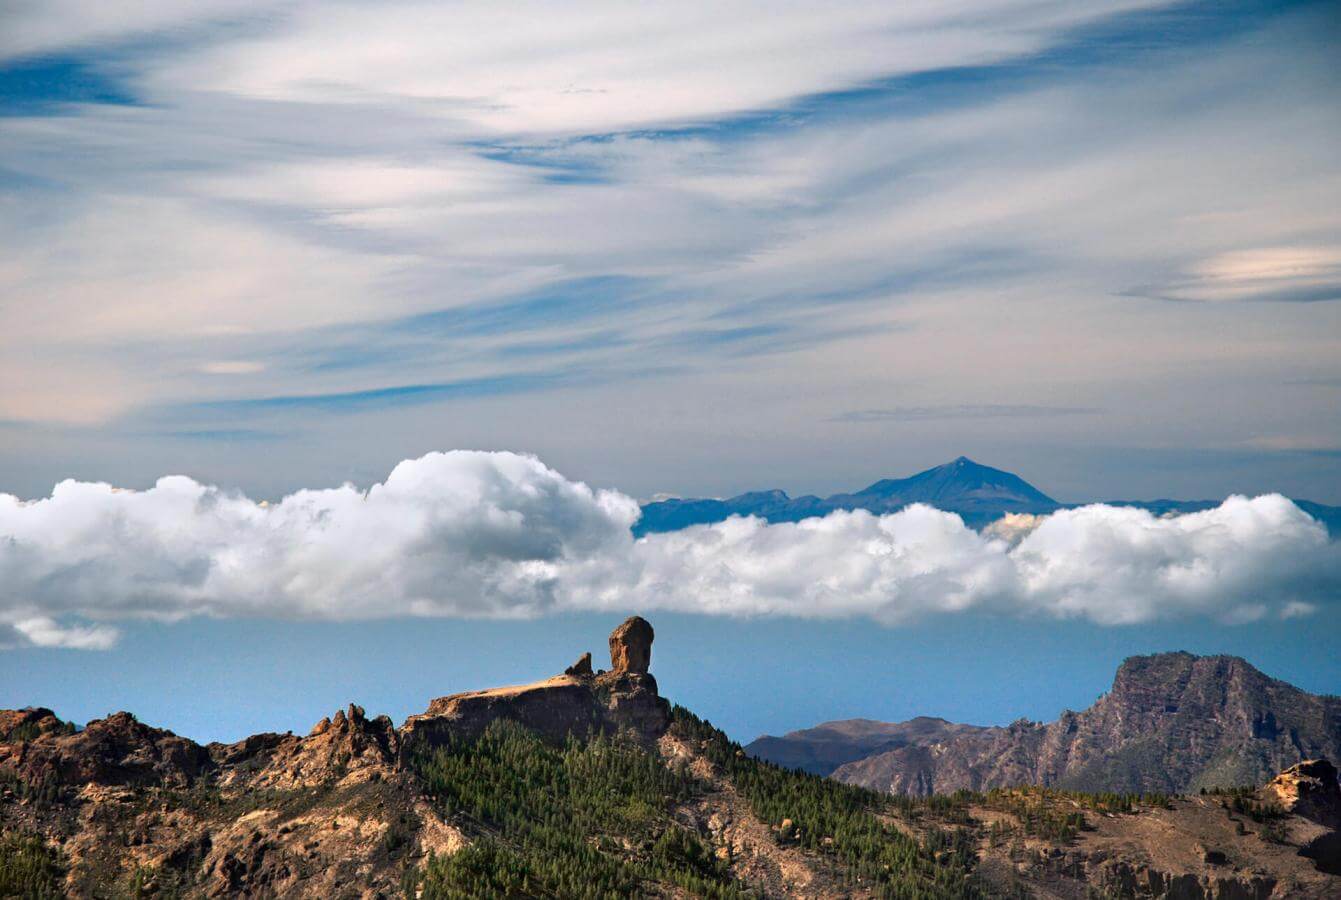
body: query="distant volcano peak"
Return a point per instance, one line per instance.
(962, 481)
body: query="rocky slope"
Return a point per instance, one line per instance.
(589, 784)
(1173, 722)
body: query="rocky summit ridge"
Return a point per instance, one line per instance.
(1172, 722)
(343, 788)
(588, 783)
(622, 700)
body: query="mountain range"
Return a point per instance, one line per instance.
(1173, 722)
(979, 494)
(589, 784)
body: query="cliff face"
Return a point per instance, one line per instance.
(1173, 722)
(623, 700)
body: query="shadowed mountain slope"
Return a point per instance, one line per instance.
(825, 747)
(1172, 722)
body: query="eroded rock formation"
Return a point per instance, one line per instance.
(631, 646)
(579, 701)
(1308, 789)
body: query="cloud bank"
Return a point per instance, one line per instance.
(481, 534)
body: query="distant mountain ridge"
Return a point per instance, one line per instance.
(979, 494)
(1173, 722)
(826, 747)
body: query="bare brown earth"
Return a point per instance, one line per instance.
(1192, 849)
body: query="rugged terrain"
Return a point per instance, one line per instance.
(589, 784)
(1172, 723)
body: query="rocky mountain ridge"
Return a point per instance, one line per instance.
(589, 783)
(304, 815)
(1172, 722)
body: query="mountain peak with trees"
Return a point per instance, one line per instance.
(590, 785)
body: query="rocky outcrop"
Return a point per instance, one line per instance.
(554, 707)
(631, 646)
(1173, 722)
(345, 748)
(579, 701)
(116, 751)
(1308, 789)
(18, 725)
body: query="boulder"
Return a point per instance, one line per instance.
(631, 646)
(581, 667)
(1309, 789)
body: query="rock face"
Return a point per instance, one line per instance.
(26, 724)
(1309, 789)
(581, 667)
(631, 646)
(1173, 722)
(624, 700)
(116, 751)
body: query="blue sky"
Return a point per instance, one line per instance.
(694, 249)
(661, 261)
(225, 680)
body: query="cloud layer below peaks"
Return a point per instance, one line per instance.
(495, 534)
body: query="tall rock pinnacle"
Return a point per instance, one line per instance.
(631, 646)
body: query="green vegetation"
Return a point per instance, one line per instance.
(43, 794)
(840, 822)
(595, 818)
(588, 819)
(29, 869)
(1243, 800)
(30, 730)
(1038, 813)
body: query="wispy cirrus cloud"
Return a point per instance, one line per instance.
(827, 201)
(1298, 274)
(963, 411)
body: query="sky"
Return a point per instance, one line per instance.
(264, 265)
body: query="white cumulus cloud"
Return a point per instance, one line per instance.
(502, 535)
